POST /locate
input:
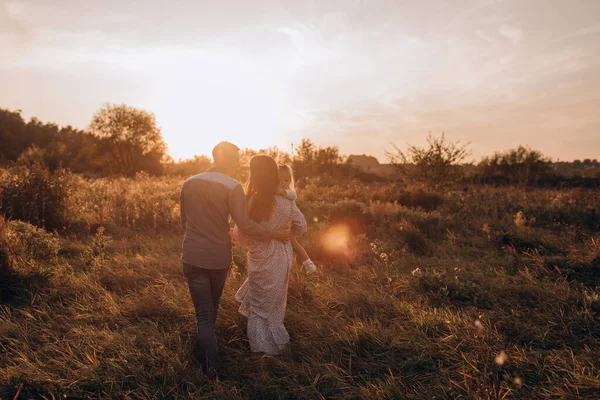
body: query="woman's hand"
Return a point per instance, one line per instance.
(282, 234)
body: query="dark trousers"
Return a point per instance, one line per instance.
(206, 287)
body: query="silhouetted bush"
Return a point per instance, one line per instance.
(36, 195)
(435, 167)
(522, 166)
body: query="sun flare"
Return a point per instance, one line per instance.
(337, 238)
(220, 99)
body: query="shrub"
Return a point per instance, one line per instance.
(415, 241)
(30, 245)
(140, 203)
(429, 223)
(36, 195)
(435, 167)
(522, 166)
(426, 200)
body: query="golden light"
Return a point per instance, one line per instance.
(336, 239)
(220, 98)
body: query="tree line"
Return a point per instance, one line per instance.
(120, 140)
(123, 140)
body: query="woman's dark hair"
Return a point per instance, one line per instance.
(261, 187)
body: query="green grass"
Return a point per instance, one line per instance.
(455, 298)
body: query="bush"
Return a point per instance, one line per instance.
(36, 195)
(27, 244)
(428, 201)
(435, 167)
(415, 241)
(140, 203)
(522, 166)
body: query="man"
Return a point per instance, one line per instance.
(207, 200)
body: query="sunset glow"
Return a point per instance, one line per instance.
(337, 238)
(354, 74)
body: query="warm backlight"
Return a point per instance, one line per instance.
(337, 238)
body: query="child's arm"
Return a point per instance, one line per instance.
(299, 250)
(287, 193)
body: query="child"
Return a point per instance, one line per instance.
(286, 182)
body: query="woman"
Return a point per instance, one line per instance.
(263, 295)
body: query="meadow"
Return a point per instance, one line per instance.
(477, 293)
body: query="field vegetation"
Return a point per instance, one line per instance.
(474, 290)
(478, 293)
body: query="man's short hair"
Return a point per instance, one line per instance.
(225, 153)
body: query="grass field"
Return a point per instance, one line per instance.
(479, 293)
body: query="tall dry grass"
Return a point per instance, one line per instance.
(482, 293)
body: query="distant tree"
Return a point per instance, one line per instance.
(188, 167)
(311, 160)
(435, 166)
(131, 136)
(522, 166)
(280, 156)
(50, 145)
(14, 137)
(306, 151)
(328, 156)
(577, 163)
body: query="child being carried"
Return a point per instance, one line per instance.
(286, 185)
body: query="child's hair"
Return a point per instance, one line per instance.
(285, 167)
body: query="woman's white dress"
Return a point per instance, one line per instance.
(263, 296)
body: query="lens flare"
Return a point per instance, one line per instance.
(336, 239)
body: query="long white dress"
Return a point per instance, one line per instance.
(263, 296)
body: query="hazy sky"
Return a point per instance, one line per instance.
(357, 74)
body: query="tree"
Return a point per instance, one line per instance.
(280, 156)
(435, 166)
(310, 160)
(131, 136)
(306, 152)
(14, 137)
(188, 167)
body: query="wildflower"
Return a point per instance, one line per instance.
(486, 229)
(478, 324)
(501, 358)
(518, 381)
(520, 220)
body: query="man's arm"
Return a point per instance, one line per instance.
(239, 212)
(181, 209)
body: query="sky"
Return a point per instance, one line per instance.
(361, 75)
